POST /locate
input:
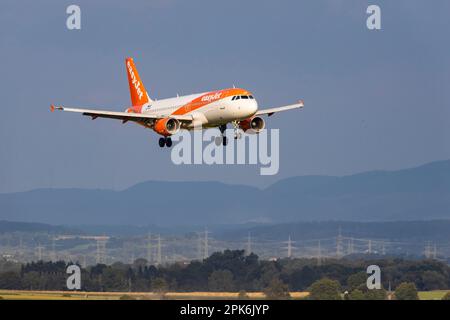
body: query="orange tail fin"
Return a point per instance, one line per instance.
(139, 95)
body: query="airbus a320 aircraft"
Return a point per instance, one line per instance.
(203, 110)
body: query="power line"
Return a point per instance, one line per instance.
(339, 239)
(39, 250)
(199, 246)
(149, 249)
(206, 246)
(101, 249)
(339, 245)
(53, 255)
(427, 251)
(20, 246)
(249, 244)
(289, 247)
(159, 260)
(319, 254)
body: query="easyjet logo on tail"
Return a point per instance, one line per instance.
(136, 83)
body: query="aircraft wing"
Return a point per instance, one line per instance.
(271, 111)
(124, 116)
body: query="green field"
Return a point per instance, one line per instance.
(432, 295)
(64, 295)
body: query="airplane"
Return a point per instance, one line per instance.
(202, 110)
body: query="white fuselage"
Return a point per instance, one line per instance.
(210, 113)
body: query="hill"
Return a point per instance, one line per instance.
(30, 227)
(420, 193)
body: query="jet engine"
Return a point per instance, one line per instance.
(253, 125)
(167, 126)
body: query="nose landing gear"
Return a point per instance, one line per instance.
(237, 134)
(165, 141)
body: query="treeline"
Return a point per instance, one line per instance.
(231, 270)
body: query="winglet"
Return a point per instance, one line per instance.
(301, 103)
(53, 108)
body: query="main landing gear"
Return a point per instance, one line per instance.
(165, 141)
(222, 140)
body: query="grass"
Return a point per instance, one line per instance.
(65, 295)
(432, 295)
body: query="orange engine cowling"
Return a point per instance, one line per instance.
(253, 125)
(167, 126)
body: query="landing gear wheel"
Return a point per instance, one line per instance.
(162, 142)
(168, 142)
(222, 140)
(222, 128)
(237, 134)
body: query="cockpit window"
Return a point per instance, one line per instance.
(241, 97)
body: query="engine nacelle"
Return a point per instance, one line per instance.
(253, 125)
(167, 126)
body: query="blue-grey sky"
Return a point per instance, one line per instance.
(374, 99)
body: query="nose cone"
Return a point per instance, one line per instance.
(252, 107)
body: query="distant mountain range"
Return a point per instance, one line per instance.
(420, 193)
(31, 227)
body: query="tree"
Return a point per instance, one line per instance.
(31, 280)
(446, 296)
(356, 295)
(433, 280)
(10, 280)
(406, 291)
(303, 278)
(357, 281)
(115, 279)
(277, 290)
(140, 262)
(375, 294)
(221, 280)
(325, 289)
(159, 285)
(269, 271)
